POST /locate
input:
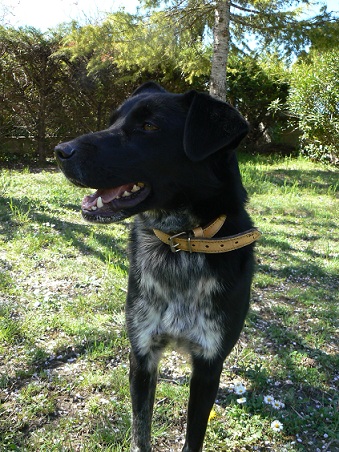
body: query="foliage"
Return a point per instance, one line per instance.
(274, 24)
(155, 47)
(255, 87)
(28, 79)
(45, 96)
(173, 42)
(325, 37)
(63, 83)
(314, 98)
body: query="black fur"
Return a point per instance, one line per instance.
(177, 152)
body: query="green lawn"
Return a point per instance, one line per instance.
(64, 350)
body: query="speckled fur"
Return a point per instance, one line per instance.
(175, 302)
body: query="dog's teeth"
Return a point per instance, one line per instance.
(125, 194)
(99, 202)
(94, 207)
(141, 184)
(135, 189)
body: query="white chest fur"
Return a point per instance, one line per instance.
(175, 303)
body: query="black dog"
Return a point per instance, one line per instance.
(170, 159)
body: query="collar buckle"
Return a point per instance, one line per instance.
(175, 246)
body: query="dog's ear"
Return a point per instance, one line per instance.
(211, 125)
(149, 87)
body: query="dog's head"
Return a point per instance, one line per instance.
(159, 152)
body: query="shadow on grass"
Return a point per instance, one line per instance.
(16, 212)
(320, 181)
(301, 376)
(104, 350)
(299, 269)
(317, 182)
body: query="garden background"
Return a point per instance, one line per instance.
(63, 345)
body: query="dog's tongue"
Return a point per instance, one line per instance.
(107, 195)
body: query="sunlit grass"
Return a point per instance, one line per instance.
(63, 344)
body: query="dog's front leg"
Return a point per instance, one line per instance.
(203, 390)
(142, 386)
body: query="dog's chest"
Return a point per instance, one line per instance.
(176, 302)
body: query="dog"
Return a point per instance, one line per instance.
(169, 160)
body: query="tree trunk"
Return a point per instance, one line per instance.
(221, 45)
(42, 112)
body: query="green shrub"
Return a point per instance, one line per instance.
(314, 99)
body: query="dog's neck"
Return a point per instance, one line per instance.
(171, 222)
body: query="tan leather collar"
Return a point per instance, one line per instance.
(202, 241)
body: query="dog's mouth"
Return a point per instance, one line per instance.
(112, 204)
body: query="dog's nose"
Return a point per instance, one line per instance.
(64, 151)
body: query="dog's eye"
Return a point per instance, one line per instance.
(149, 127)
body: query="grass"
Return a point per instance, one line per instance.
(63, 345)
